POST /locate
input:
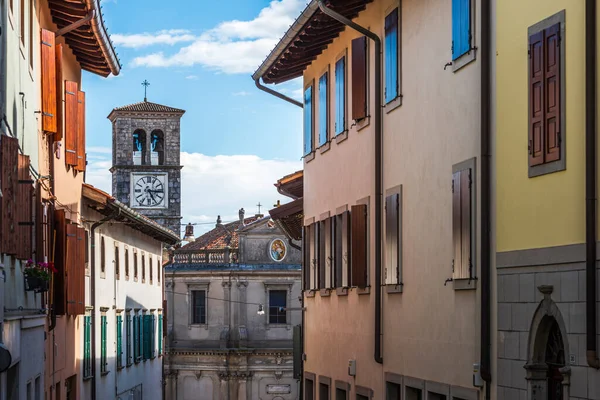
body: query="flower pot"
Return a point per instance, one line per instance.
(31, 283)
(43, 285)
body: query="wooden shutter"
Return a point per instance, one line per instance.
(75, 269)
(392, 234)
(340, 96)
(322, 262)
(461, 223)
(359, 78)
(60, 262)
(306, 260)
(80, 271)
(164, 315)
(391, 56)
(359, 245)
(552, 85)
(9, 149)
(59, 94)
(331, 245)
(347, 230)
(80, 131)
(339, 251)
(71, 128)
(24, 210)
(536, 93)
(49, 123)
(461, 27)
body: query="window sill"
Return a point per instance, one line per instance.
(119, 369)
(271, 326)
(325, 147)
(340, 137)
(362, 124)
(394, 288)
(325, 292)
(87, 378)
(205, 326)
(309, 157)
(393, 104)
(464, 60)
(102, 275)
(129, 365)
(341, 291)
(365, 290)
(547, 168)
(465, 284)
(104, 373)
(309, 293)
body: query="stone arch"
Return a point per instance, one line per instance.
(139, 147)
(157, 147)
(543, 319)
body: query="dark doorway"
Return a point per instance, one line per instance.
(555, 359)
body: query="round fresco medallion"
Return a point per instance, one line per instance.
(277, 250)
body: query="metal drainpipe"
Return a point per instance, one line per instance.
(378, 168)
(590, 181)
(93, 292)
(277, 94)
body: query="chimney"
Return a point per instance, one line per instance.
(242, 212)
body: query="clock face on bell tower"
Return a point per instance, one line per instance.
(148, 191)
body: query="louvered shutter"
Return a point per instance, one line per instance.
(359, 245)
(331, 246)
(465, 226)
(323, 109)
(24, 210)
(60, 116)
(392, 234)
(340, 96)
(536, 93)
(339, 252)
(80, 272)
(391, 56)
(308, 120)
(9, 149)
(80, 131)
(49, 103)
(359, 78)
(60, 261)
(461, 27)
(306, 258)
(71, 126)
(347, 245)
(552, 85)
(321, 264)
(71, 268)
(165, 314)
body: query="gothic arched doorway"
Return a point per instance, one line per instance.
(555, 360)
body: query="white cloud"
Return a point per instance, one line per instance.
(166, 37)
(192, 77)
(217, 185)
(242, 93)
(232, 46)
(99, 149)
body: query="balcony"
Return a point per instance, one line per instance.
(206, 256)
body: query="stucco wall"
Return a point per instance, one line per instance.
(436, 127)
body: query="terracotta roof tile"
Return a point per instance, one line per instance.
(219, 237)
(146, 106)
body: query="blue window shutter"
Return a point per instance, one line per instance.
(340, 95)
(308, 120)
(391, 56)
(461, 27)
(323, 110)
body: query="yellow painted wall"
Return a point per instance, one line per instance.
(547, 210)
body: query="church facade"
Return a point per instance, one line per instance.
(146, 170)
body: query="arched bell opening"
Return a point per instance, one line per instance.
(139, 147)
(157, 147)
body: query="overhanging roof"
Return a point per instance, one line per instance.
(291, 185)
(289, 217)
(107, 205)
(306, 39)
(89, 42)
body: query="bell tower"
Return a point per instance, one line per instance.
(146, 170)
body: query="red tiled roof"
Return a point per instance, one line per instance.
(219, 237)
(147, 106)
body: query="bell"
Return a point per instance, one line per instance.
(189, 233)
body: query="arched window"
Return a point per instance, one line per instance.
(157, 147)
(139, 147)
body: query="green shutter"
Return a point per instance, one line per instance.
(128, 338)
(87, 359)
(153, 343)
(160, 336)
(103, 363)
(119, 341)
(147, 320)
(136, 338)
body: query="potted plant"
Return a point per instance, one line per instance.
(37, 275)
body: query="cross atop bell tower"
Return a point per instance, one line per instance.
(145, 84)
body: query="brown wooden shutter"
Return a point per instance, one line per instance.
(71, 128)
(465, 205)
(536, 94)
(306, 260)
(40, 224)
(48, 82)
(552, 85)
(9, 149)
(75, 240)
(347, 230)
(359, 245)
(359, 78)
(80, 131)
(392, 236)
(59, 94)
(79, 274)
(164, 313)
(322, 259)
(331, 246)
(24, 209)
(339, 252)
(60, 262)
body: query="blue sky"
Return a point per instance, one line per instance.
(198, 56)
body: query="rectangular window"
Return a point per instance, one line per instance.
(340, 95)
(461, 27)
(322, 256)
(393, 238)
(135, 265)
(323, 109)
(309, 389)
(360, 241)
(128, 339)
(462, 265)
(342, 249)
(359, 78)
(38, 388)
(160, 332)
(87, 348)
(119, 341)
(361, 397)
(392, 391)
(546, 103)
(143, 268)
(102, 256)
(413, 394)
(277, 305)
(158, 271)
(341, 394)
(198, 307)
(126, 263)
(308, 120)
(117, 262)
(150, 268)
(391, 56)
(103, 363)
(323, 391)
